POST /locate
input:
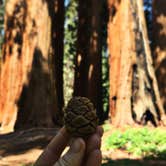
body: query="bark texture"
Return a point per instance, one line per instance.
(56, 12)
(12, 77)
(88, 59)
(120, 37)
(28, 94)
(159, 45)
(134, 92)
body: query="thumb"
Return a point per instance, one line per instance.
(75, 154)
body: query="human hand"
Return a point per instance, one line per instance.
(81, 152)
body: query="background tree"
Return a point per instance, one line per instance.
(27, 82)
(57, 12)
(159, 45)
(88, 57)
(133, 87)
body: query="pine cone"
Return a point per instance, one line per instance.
(80, 117)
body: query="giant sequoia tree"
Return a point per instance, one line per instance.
(88, 57)
(134, 92)
(159, 45)
(27, 83)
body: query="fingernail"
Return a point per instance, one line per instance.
(77, 145)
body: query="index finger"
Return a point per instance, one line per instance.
(54, 149)
(94, 141)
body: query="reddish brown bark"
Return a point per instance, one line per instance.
(133, 88)
(12, 78)
(88, 59)
(120, 47)
(159, 45)
(26, 82)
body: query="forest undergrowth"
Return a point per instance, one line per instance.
(146, 143)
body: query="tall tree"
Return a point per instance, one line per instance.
(56, 12)
(159, 45)
(28, 92)
(134, 95)
(88, 57)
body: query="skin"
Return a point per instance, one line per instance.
(89, 147)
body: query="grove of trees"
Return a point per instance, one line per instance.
(111, 51)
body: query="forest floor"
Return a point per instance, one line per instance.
(110, 158)
(120, 157)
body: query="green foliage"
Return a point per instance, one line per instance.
(105, 66)
(105, 81)
(139, 142)
(71, 21)
(106, 127)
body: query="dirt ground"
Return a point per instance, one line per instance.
(116, 158)
(21, 159)
(110, 158)
(31, 156)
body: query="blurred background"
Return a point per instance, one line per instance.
(111, 51)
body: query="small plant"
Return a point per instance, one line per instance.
(106, 127)
(139, 142)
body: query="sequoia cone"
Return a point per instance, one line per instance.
(80, 117)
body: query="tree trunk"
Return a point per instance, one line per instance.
(56, 12)
(159, 45)
(27, 82)
(134, 93)
(88, 59)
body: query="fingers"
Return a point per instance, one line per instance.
(94, 159)
(100, 131)
(94, 141)
(93, 144)
(53, 151)
(75, 154)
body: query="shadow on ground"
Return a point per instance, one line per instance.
(21, 141)
(156, 159)
(131, 162)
